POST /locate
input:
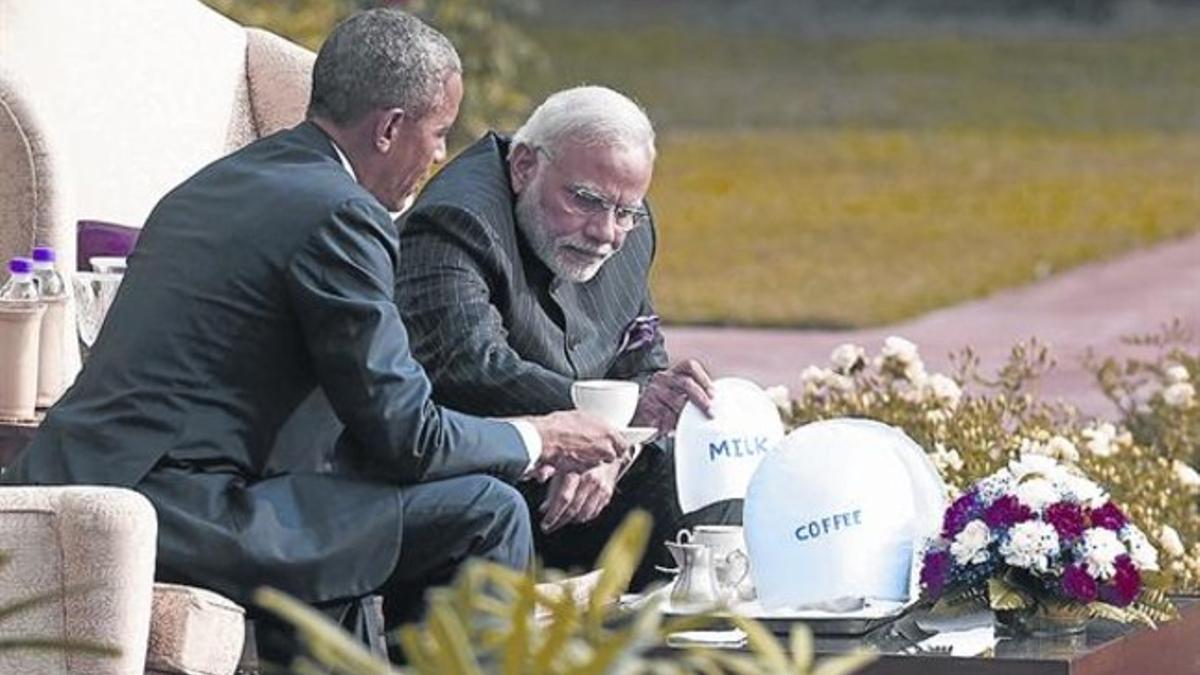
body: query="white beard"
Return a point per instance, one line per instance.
(549, 249)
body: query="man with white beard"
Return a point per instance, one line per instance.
(525, 264)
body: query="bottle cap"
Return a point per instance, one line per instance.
(43, 254)
(20, 266)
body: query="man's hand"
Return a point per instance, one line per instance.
(668, 391)
(578, 497)
(574, 441)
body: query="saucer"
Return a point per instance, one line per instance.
(638, 435)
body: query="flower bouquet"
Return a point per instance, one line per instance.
(1047, 550)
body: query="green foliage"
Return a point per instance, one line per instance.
(15, 608)
(498, 59)
(495, 620)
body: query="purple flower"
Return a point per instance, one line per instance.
(1067, 519)
(959, 513)
(1109, 517)
(1125, 586)
(639, 333)
(1006, 512)
(934, 570)
(1077, 584)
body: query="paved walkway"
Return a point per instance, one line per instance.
(1090, 306)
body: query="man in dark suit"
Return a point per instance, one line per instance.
(525, 269)
(271, 273)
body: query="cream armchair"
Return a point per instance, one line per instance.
(105, 105)
(90, 551)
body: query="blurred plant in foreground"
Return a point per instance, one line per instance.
(1145, 460)
(496, 620)
(16, 608)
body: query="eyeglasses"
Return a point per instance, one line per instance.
(586, 202)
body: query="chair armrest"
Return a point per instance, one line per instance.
(101, 540)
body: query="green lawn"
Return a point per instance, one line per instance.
(858, 182)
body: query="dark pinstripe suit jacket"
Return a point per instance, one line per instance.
(497, 334)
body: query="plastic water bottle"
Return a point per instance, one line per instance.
(49, 282)
(20, 286)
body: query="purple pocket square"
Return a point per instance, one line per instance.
(640, 333)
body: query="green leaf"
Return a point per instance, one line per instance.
(618, 561)
(322, 635)
(452, 639)
(801, 644)
(1004, 596)
(764, 644)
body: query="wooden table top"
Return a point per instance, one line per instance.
(1107, 648)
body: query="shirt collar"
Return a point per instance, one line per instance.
(350, 170)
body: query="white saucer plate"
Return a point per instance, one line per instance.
(638, 435)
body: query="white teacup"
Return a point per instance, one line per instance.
(613, 401)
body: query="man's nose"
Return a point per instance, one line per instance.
(602, 227)
(439, 155)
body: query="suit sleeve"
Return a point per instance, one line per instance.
(341, 284)
(457, 332)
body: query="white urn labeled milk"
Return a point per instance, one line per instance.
(715, 457)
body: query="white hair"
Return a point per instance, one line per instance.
(589, 116)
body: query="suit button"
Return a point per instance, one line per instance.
(573, 342)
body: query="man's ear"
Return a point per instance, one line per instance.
(387, 128)
(522, 163)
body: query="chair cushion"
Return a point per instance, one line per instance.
(194, 632)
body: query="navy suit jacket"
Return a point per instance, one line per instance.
(269, 273)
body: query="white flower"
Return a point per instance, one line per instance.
(945, 458)
(1037, 493)
(1101, 440)
(1170, 541)
(899, 349)
(1035, 464)
(914, 371)
(1177, 373)
(812, 379)
(1141, 551)
(1186, 475)
(912, 394)
(1081, 490)
(944, 389)
(1060, 447)
(845, 357)
(1031, 545)
(970, 546)
(840, 382)
(780, 396)
(1100, 550)
(1179, 395)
